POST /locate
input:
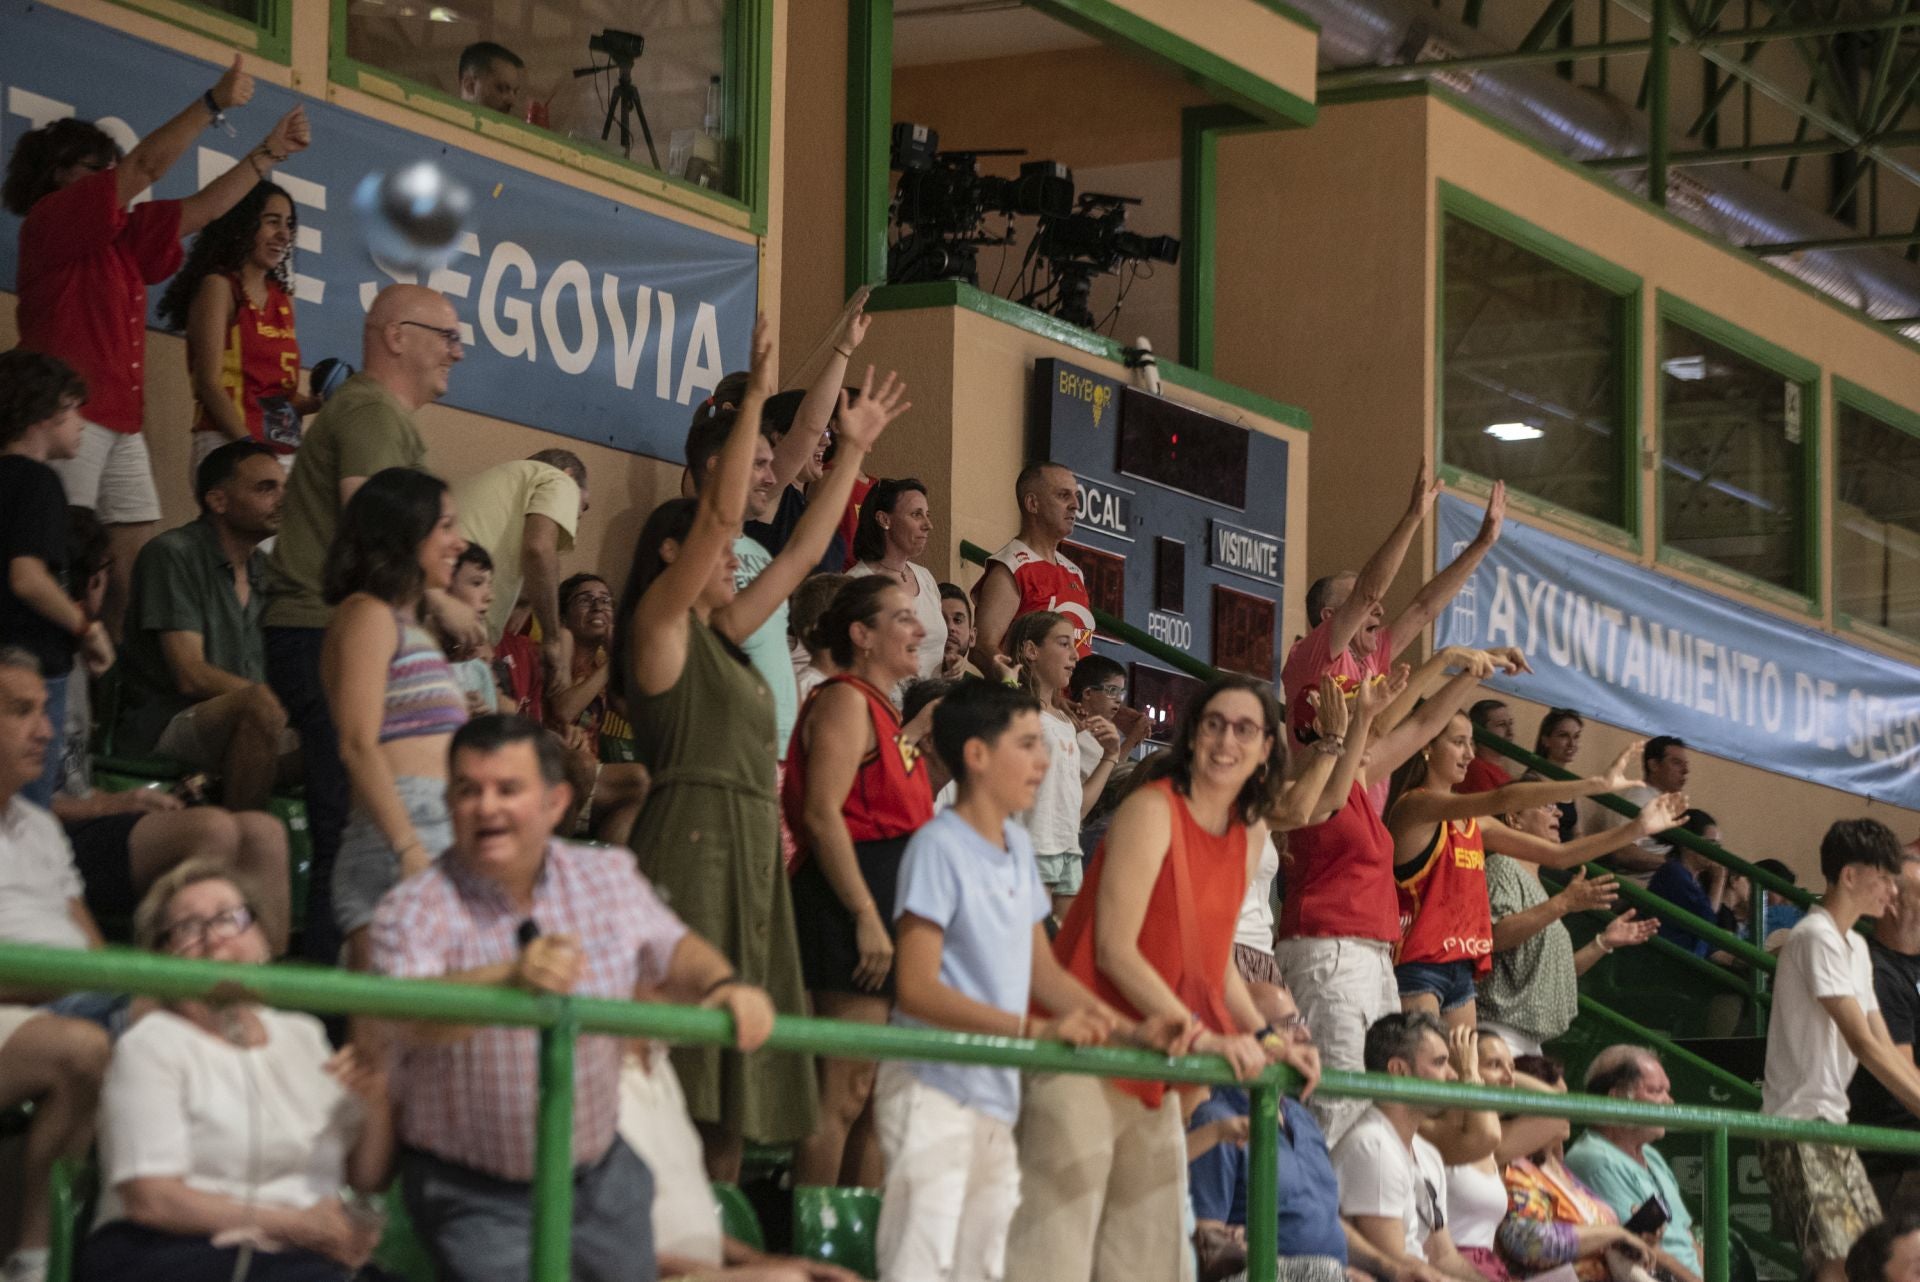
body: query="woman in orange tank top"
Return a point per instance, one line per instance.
(1151, 933)
(1440, 842)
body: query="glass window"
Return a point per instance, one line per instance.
(1876, 523)
(1532, 362)
(641, 79)
(1733, 459)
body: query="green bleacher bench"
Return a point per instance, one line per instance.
(837, 1225)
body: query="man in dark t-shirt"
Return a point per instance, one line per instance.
(40, 400)
(1895, 948)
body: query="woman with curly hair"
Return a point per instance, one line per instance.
(234, 299)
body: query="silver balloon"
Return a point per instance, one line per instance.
(413, 217)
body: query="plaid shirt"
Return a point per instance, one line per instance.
(474, 1102)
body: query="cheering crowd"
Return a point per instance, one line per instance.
(781, 770)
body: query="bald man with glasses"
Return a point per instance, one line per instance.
(409, 346)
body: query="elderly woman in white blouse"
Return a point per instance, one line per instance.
(232, 1130)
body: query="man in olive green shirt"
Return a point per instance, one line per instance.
(193, 662)
(409, 347)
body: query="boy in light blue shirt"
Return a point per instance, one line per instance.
(971, 953)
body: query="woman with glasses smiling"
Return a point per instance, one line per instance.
(1151, 933)
(231, 1136)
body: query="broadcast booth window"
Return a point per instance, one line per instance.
(1735, 452)
(647, 81)
(1532, 365)
(1876, 519)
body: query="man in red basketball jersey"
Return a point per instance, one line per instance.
(1030, 573)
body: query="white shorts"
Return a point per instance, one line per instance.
(655, 1124)
(188, 739)
(1341, 986)
(112, 475)
(953, 1181)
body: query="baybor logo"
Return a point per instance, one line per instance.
(1096, 393)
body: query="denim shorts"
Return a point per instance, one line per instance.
(367, 867)
(1451, 982)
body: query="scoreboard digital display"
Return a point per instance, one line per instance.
(1174, 530)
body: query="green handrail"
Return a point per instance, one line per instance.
(563, 1019)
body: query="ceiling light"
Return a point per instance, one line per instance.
(1688, 369)
(1514, 432)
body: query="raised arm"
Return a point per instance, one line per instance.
(155, 154)
(658, 650)
(860, 426)
(1429, 806)
(1416, 731)
(290, 135)
(1377, 575)
(823, 396)
(1658, 815)
(1444, 586)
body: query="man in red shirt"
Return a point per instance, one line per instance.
(1030, 573)
(86, 259)
(1348, 638)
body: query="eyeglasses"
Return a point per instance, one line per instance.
(1113, 691)
(192, 934)
(1244, 729)
(593, 600)
(1432, 1218)
(449, 336)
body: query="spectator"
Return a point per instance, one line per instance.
(1477, 1189)
(1621, 1164)
(1098, 688)
(1041, 645)
(518, 669)
(1782, 913)
(194, 1184)
(1102, 1163)
(917, 697)
(973, 957)
(1823, 992)
(1031, 573)
(526, 513)
(1665, 765)
(1311, 1237)
(1553, 1219)
(1440, 842)
(410, 344)
(854, 792)
(40, 400)
(1690, 880)
(594, 718)
(705, 724)
(51, 1060)
(472, 586)
(234, 300)
(893, 532)
(465, 1097)
(1895, 949)
(87, 255)
(392, 692)
(1393, 1184)
(194, 670)
(1532, 993)
(124, 841)
(490, 76)
(687, 1237)
(812, 658)
(1349, 637)
(1487, 770)
(1887, 1252)
(1558, 740)
(956, 607)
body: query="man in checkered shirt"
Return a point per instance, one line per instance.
(509, 905)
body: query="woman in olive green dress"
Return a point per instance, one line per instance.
(703, 722)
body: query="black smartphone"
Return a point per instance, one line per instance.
(1650, 1216)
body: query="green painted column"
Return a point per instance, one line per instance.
(1263, 1188)
(553, 1154)
(1659, 132)
(1718, 1186)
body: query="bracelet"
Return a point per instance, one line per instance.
(718, 984)
(846, 353)
(213, 108)
(1330, 745)
(1606, 949)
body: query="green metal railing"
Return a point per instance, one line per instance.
(563, 1020)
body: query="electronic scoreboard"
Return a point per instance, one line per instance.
(1180, 531)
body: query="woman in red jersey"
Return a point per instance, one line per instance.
(1440, 843)
(855, 790)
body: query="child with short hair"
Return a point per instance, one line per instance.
(970, 955)
(473, 586)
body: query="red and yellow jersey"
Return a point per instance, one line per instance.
(1055, 585)
(891, 794)
(261, 361)
(1444, 913)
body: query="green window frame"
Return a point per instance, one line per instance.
(1628, 289)
(1672, 308)
(747, 77)
(271, 37)
(1895, 417)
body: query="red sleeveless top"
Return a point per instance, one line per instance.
(1187, 934)
(1444, 913)
(890, 797)
(1056, 585)
(1339, 877)
(261, 358)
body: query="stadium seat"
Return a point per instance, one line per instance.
(737, 1219)
(837, 1225)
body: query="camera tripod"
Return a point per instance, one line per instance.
(623, 106)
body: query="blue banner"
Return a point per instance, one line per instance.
(581, 315)
(1631, 647)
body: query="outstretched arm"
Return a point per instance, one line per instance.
(1444, 586)
(1658, 815)
(823, 396)
(1377, 575)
